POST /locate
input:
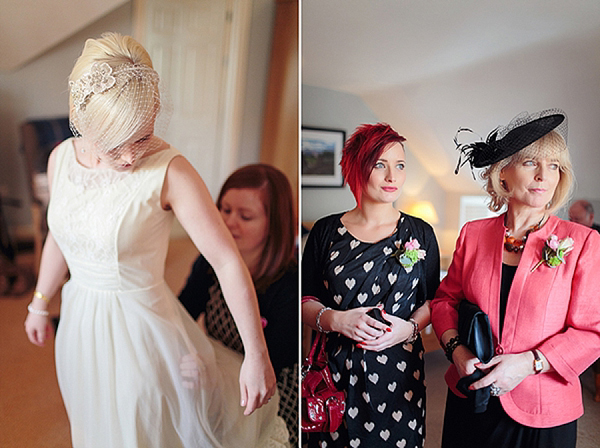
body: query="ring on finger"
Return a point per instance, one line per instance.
(494, 390)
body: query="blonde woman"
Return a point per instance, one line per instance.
(115, 190)
(535, 275)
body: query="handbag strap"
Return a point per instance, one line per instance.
(318, 348)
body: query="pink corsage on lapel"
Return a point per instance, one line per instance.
(555, 251)
(410, 254)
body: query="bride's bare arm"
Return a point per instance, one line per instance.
(186, 194)
(53, 270)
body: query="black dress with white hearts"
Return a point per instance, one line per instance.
(385, 390)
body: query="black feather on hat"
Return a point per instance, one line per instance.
(503, 142)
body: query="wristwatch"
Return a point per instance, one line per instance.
(538, 364)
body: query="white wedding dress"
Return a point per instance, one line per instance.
(122, 332)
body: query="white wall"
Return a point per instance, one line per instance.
(324, 108)
(39, 90)
(259, 56)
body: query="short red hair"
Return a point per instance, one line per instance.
(362, 150)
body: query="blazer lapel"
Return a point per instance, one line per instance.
(494, 245)
(529, 291)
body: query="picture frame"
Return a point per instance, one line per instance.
(321, 152)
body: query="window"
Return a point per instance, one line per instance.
(473, 207)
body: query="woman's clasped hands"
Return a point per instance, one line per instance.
(505, 372)
(371, 334)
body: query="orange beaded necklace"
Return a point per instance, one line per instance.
(511, 244)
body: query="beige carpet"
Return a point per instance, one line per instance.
(31, 409)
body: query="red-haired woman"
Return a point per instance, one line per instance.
(373, 256)
(257, 206)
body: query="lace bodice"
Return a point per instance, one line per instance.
(110, 225)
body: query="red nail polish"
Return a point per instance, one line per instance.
(359, 345)
(388, 329)
(383, 311)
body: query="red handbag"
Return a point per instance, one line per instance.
(323, 406)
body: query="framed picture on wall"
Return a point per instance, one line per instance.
(321, 155)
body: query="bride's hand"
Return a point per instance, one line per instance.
(190, 367)
(37, 329)
(257, 382)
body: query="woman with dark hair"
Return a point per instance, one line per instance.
(535, 275)
(258, 209)
(359, 265)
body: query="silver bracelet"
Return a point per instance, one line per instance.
(38, 312)
(318, 320)
(415, 333)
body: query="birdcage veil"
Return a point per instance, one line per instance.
(119, 108)
(523, 131)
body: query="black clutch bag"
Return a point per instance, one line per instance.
(475, 333)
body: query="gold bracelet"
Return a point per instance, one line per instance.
(39, 295)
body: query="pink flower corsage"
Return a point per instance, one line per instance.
(555, 251)
(410, 254)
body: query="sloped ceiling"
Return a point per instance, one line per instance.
(28, 28)
(430, 67)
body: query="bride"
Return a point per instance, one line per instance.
(134, 369)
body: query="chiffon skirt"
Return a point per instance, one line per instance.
(118, 355)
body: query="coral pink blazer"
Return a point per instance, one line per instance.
(556, 310)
